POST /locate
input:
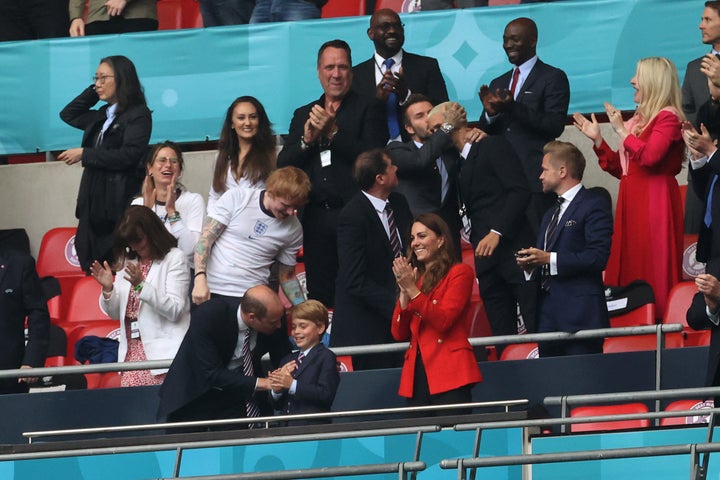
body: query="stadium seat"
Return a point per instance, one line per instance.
(191, 16)
(28, 158)
(170, 14)
(57, 258)
(345, 362)
(591, 411)
(101, 328)
(84, 305)
(644, 315)
(400, 6)
(683, 197)
(343, 8)
(679, 300)
(639, 343)
(687, 405)
(493, 3)
(691, 268)
(520, 351)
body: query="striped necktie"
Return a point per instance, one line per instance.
(251, 407)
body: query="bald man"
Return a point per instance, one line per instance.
(207, 379)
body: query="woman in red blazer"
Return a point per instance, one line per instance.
(433, 312)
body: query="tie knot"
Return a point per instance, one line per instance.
(388, 208)
(389, 63)
(560, 201)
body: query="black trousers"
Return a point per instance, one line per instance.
(121, 25)
(320, 251)
(422, 397)
(32, 19)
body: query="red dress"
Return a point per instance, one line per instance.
(647, 239)
(438, 323)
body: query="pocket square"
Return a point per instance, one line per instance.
(9, 291)
(570, 223)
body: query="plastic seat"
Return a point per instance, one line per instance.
(84, 305)
(493, 3)
(679, 300)
(691, 268)
(57, 258)
(400, 6)
(170, 14)
(343, 8)
(99, 328)
(520, 351)
(191, 16)
(687, 405)
(591, 411)
(638, 343)
(644, 315)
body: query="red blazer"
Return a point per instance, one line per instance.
(439, 323)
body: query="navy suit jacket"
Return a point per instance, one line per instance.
(366, 289)
(201, 364)
(21, 296)
(317, 382)
(537, 116)
(576, 299)
(697, 318)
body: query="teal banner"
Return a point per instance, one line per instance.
(191, 76)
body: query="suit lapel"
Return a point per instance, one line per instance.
(534, 74)
(3, 268)
(567, 215)
(375, 220)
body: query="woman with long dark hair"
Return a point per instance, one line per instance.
(149, 293)
(246, 149)
(433, 312)
(114, 145)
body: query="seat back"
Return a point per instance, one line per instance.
(84, 306)
(679, 300)
(638, 343)
(687, 405)
(595, 410)
(343, 8)
(644, 315)
(57, 256)
(400, 6)
(520, 351)
(170, 14)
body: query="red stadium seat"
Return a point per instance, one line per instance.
(639, 343)
(683, 197)
(520, 351)
(84, 307)
(691, 268)
(492, 3)
(679, 300)
(591, 411)
(644, 315)
(345, 362)
(29, 158)
(687, 405)
(57, 258)
(170, 14)
(400, 6)
(191, 16)
(101, 328)
(343, 8)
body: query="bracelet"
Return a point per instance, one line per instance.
(303, 145)
(415, 296)
(138, 288)
(200, 273)
(175, 217)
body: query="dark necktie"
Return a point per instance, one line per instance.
(394, 239)
(251, 407)
(513, 85)
(391, 106)
(301, 357)
(552, 227)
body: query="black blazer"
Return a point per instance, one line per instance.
(199, 373)
(708, 246)
(537, 116)
(496, 195)
(422, 75)
(697, 318)
(361, 127)
(317, 382)
(113, 169)
(420, 180)
(21, 296)
(695, 90)
(366, 289)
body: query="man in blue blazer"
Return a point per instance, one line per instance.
(527, 105)
(573, 247)
(392, 74)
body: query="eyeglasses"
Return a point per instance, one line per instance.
(101, 78)
(388, 25)
(173, 160)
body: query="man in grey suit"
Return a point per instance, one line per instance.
(694, 93)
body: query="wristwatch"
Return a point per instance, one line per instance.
(447, 128)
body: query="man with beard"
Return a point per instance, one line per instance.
(392, 74)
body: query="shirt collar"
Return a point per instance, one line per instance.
(569, 195)
(377, 203)
(397, 57)
(527, 66)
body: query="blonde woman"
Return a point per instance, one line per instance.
(648, 235)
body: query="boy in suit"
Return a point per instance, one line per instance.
(308, 378)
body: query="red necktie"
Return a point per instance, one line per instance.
(516, 75)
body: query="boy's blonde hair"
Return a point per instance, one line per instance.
(312, 310)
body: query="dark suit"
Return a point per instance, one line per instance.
(420, 179)
(575, 298)
(695, 93)
(361, 127)
(317, 382)
(21, 296)
(496, 195)
(366, 287)
(697, 318)
(199, 384)
(113, 170)
(422, 75)
(536, 117)
(708, 246)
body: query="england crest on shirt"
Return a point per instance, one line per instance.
(259, 229)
